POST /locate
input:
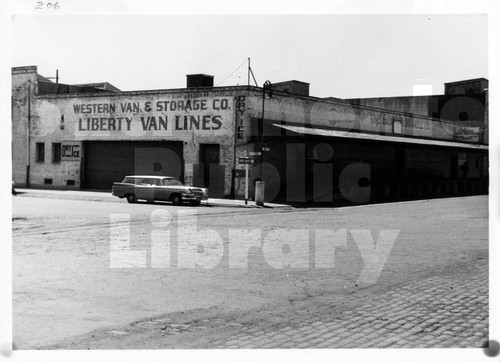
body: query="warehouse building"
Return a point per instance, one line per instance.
(306, 149)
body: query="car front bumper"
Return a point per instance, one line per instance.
(194, 197)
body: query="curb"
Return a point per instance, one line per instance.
(107, 197)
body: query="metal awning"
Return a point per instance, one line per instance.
(376, 137)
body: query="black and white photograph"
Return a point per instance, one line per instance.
(230, 181)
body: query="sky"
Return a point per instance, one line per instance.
(345, 56)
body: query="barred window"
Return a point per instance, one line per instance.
(40, 152)
(56, 152)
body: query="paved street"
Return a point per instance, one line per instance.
(432, 290)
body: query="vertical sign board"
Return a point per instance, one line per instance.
(71, 151)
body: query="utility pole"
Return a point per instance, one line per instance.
(56, 77)
(251, 72)
(267, 86)
(260, 185)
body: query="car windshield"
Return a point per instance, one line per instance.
(171, 182)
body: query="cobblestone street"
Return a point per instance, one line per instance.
(449, 310)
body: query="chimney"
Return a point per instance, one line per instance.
(199, 80)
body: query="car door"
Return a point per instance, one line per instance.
(166, 188)
(144, 190)
(158, 190)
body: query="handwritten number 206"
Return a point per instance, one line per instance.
(40, 5)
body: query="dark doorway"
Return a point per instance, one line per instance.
(209, 173)
(106, 162)
(454, 165)
(209, 154)
(401, 168)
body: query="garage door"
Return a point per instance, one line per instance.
(110, 161)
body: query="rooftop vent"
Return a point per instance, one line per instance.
(199, 80)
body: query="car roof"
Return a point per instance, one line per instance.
(146, 176)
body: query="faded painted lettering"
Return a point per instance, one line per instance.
(153, 115)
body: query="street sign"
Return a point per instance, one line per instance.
(245, 160)
(255, 153)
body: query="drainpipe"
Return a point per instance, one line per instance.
(232, 193)
(29, 137)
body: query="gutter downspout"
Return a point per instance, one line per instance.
(28, 148)
(232, 193)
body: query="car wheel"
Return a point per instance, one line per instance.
(131, 199)
(176, 199)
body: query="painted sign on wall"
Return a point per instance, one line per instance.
(467, 134)
(71, 151)
(150, 116)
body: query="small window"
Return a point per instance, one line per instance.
(56, 152)
(70, 182)
(40, 152)
(47, 181)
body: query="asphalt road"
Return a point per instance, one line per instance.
(67, 293)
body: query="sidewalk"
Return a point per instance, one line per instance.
(108, 197)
